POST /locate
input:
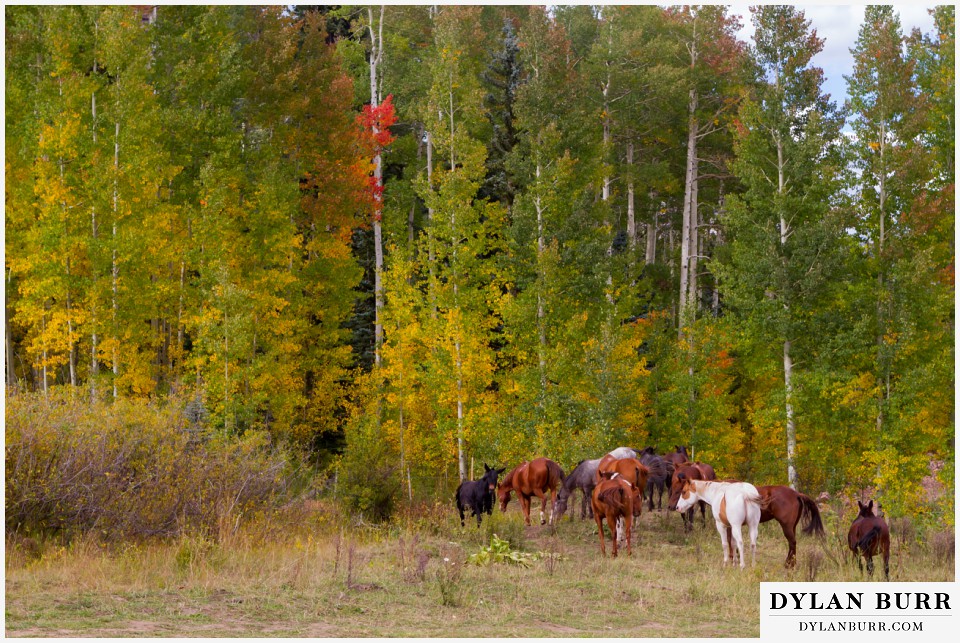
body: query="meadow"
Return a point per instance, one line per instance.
(322, 573)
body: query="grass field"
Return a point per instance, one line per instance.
(331, 577)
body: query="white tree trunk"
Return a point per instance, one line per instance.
(115, 270)
(376, 55)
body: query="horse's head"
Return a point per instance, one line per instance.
(676, 488)
(688, 495)
(490, 477)
(503, 494)
(866, 510)
(561, 507)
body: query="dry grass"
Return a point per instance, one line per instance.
(410, 578)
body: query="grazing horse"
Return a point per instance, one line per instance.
(787, 507)
(868, 536)
(478, 494)
(614, 501)
(733, 504)
(530, 479)
(690, 471)
(582, 477)
(678, 457)
(661, 472)
(629, 469)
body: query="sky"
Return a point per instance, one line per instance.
(839, 25)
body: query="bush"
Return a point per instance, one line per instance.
(131, 469)
(369, 473)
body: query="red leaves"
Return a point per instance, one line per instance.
(375, 123)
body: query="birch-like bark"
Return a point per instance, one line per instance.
(631, 210)
(376, 55)
(541, 315)
(431, 240)
(689, 213)
(94, 362)
(115, 270)
(787, 357)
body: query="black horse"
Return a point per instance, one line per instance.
(661, 471)
(478, 494)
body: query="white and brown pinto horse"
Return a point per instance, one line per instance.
(733, 504)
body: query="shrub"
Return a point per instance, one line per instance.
(131, 468)
(369, 472)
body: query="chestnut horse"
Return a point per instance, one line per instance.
(868, 536)
(629, 469)
(530, 479)
(787, 507)
(614, 501)
(689, 471)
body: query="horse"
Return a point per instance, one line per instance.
(478, 494)
(868, 536)
(733, 504)
(661, 472)
(582, 477)
(532, 479)
(788, 507)
(691, 471)
(629, 469)
(622, 452)
(614, 501)
(678, 457)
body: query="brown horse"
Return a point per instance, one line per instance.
(678, 457)
(630, 469)
(787, 507)
(868, 536)
(615, 500)
(530, 479)
(684, 472)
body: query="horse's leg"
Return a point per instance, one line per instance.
(870, 565)
(460, 511)
(725, 543)
(738, 537)
(543, 504)
(599, 519)
(790, 533)
(615, 531)
(628, 527)
(754, 527)
(525, 506)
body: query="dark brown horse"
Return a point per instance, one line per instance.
(614, 501)
(678, 457)
(868, 536)
(535, 478)
(684, 472)
(661, 473)
(787, 507)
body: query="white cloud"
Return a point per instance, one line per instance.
(839, 26)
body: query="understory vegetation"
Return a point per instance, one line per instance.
(319, 572)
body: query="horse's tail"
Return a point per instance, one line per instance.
(556, 474)
(810, 513)
(613, 497)
(866, 543)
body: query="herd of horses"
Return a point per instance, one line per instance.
(615, 487)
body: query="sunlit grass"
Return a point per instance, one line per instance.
(329, 577)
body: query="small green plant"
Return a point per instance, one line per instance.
(499, 551)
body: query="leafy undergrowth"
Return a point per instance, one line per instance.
(326, 575)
